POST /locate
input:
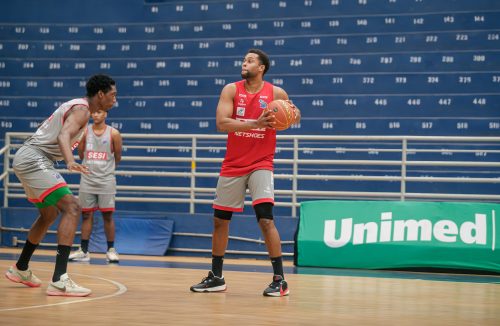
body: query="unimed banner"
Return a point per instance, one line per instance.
(386, 234)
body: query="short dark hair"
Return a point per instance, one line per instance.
(98, 83)
(263, 57)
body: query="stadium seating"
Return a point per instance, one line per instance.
(381, 68)
(396, 67)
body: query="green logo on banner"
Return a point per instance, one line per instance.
(390, 234)
(388, 230)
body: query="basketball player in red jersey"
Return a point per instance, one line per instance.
(248, 164)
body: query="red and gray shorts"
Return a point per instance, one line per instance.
(92, 202)
(44, 186)
(231, 191)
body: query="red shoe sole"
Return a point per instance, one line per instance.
(31, 285)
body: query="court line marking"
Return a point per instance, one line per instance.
(121, 289)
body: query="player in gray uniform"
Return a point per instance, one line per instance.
(101, 151)
(33, 163)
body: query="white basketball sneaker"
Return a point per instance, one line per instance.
(67, 288)
(112, 256)
(79, 255)
(25, 277)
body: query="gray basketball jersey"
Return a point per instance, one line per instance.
(45, 138)
(100, 159)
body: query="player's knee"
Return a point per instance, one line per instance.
(221, 225)
(264, 211)
(266, 225)
(107, 216)
(49, 215)
(72, 206)
(75, 209)
(223, 215)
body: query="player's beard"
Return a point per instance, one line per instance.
(246, 74)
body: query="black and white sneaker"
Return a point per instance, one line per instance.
(211, 283)
(278, 288)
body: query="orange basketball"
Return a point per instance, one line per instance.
(284, 114)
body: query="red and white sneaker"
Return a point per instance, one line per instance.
(278, 287)
(25, 277)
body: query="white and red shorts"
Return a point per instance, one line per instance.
(93, 202)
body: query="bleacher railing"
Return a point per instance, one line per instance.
(307, 165)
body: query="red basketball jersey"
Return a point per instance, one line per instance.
(253, 149)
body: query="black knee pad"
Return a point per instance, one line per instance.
(264, 210)
(224, 215)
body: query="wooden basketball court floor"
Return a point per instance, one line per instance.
(155, 291)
